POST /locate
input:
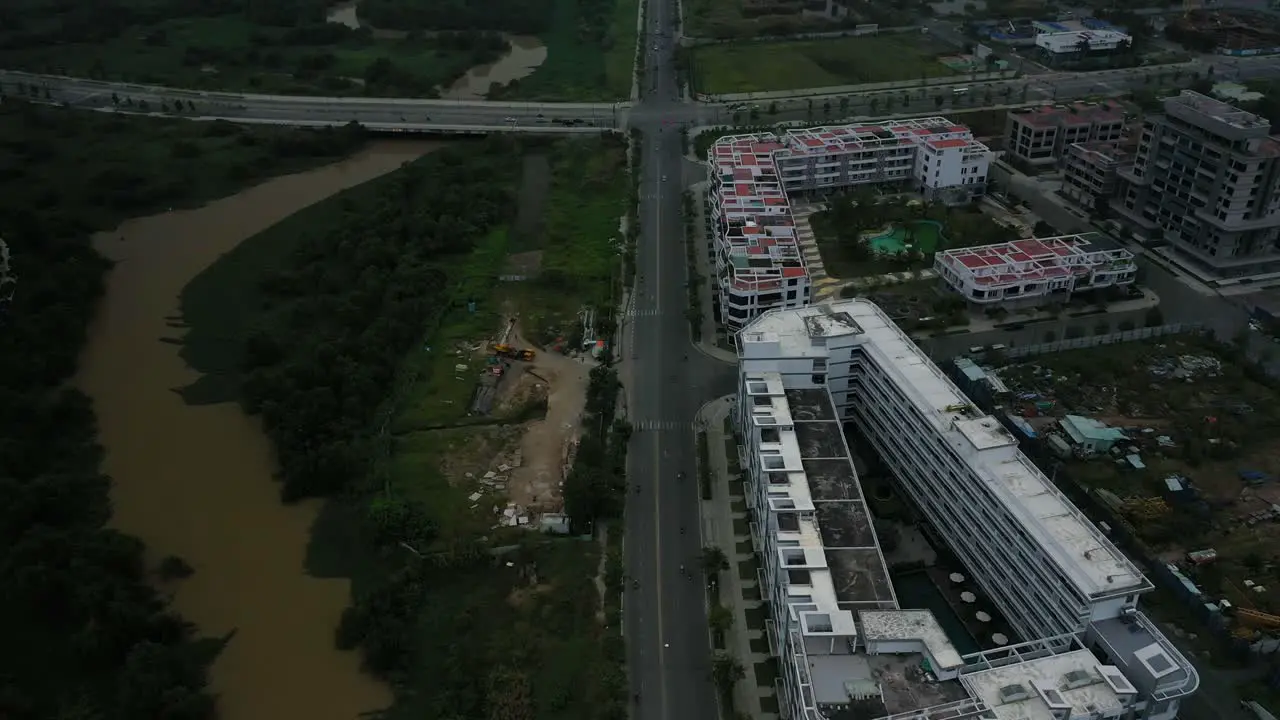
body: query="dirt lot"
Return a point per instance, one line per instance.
(520, 466)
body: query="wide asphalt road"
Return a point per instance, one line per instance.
(667, 381)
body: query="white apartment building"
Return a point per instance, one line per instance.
(846, 648)
(757, 258)
(1033, 271)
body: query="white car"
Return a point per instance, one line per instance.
(511, 120)
(664, 178)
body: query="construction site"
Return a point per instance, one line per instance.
(1230, 32)
(1176, 441)
(507, 451)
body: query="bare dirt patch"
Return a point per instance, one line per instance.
(547, 444)
(524, 265)
(472, 454)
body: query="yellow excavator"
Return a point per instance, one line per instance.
(507, 351)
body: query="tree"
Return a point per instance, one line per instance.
(726, 671)
(714, 561)
(938, 100)
(773, 107)
(874, 105)
(844, 104)
(719, 619)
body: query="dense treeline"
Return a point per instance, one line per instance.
(529, 17)
(36, 23)
(352, 301)
(86, 636)
(284, 46)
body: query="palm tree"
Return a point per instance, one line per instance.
(714, 561)
(726, 671)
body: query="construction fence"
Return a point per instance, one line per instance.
(1114, 338)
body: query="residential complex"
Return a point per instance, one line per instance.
(1041, 136)
(1204, 179)
(1033, 271)
(758, 262)
(1089, 172)
(847, 649)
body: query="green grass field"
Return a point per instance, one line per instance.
(771, 66)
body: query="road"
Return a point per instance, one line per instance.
(667, 381)
(94, 94)
(426, 115)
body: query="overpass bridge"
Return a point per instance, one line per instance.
(384, 114)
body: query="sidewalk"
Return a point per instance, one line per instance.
(725, 525)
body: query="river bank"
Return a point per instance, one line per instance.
(524, 55)
(197, 481)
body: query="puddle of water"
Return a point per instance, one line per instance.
(344, 14)
(525, 55)
(196, 481)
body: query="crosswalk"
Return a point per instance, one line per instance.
(643, 312)
(661, 425)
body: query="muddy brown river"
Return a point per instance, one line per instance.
(196, 481)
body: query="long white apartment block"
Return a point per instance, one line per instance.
(1032, 270)
(846, 647)
(758, 262)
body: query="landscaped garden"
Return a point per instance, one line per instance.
(861, 234)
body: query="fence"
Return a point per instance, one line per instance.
(1114, 338)
(892, 86)
(860, 31)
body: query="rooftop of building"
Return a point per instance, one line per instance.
(1080, 551)
(1104, 151)
(1080, 113)
(1035, 259)
(921, 625)
(903, 683)
(1208, 107)
(1043, 688)
(761, 238)
(1069, 41)
(828, 482)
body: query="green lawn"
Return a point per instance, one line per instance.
(770, 66)
(579, 69)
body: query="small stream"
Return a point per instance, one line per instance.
(525, 54)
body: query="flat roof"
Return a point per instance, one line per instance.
(918, 625)
(827, 481)
(1088, 559)
(1040, 689)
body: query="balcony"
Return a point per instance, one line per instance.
(755, 536)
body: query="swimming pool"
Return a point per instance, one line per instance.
(922, 235)
(915, 589)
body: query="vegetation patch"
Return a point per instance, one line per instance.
(88, 634)
(591, 51)
(769, 66)
(275, 46)
(365, 324)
